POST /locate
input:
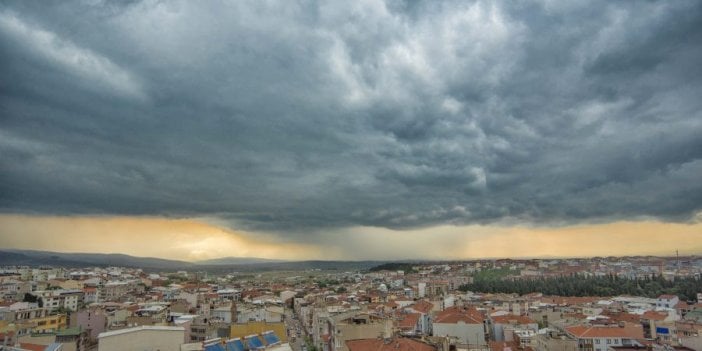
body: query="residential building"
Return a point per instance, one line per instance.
(424, 308)
(93, 321)
(599, 338)
(360, 326)
(667, 301)
(53, 300)
(553, 340)
(465, 325)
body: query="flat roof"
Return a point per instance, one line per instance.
(139, 328)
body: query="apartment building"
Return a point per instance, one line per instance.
(599, 338)
(465, 325)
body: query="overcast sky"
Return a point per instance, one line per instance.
(314, 123)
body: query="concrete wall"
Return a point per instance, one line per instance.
(360, 331)
(544, 342)
(93, 320)
(465, 333)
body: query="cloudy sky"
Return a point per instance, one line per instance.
(351, 129)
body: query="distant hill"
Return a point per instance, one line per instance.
(61, 259)
(34, 258)
(236, 261)
(342, 266)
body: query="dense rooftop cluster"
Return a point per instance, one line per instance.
(422, 307)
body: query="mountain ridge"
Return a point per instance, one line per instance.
(35, 258)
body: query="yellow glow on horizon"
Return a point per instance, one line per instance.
(612, 239)
(191, 239)
(182, 239)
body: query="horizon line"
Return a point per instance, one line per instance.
(401, 260)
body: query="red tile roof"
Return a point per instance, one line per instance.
(397, 344)
(653, 315)
(510, 318)
(422, 306)
(503, 345)
(409, 321)
(682, 305)
(453, 315)
(32, 347)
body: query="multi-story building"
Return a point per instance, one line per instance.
(48, 324)
(90, 295)
(465, 325)
(424, 308)
(553, 340)
(360, 326)
(21, 311)
(667, 301)
(515, 322)
(55, 299)
(93, 321)
(113, 291)
(599, 338)
(13, 289)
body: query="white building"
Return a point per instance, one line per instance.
(422, 289)
(600, 338)
(90, 295)
(667, 301)
(224, 313)
(55, 299)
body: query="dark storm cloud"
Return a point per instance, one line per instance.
(297, 116)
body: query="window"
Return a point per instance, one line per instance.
(597, 341)
(609, 341)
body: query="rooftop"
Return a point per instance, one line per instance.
(396, 344)
(453, 315)
(139, 328)
(628, 332)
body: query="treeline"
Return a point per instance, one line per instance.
(581, 285)
(394, 266)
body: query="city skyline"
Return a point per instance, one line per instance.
(361, 130)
